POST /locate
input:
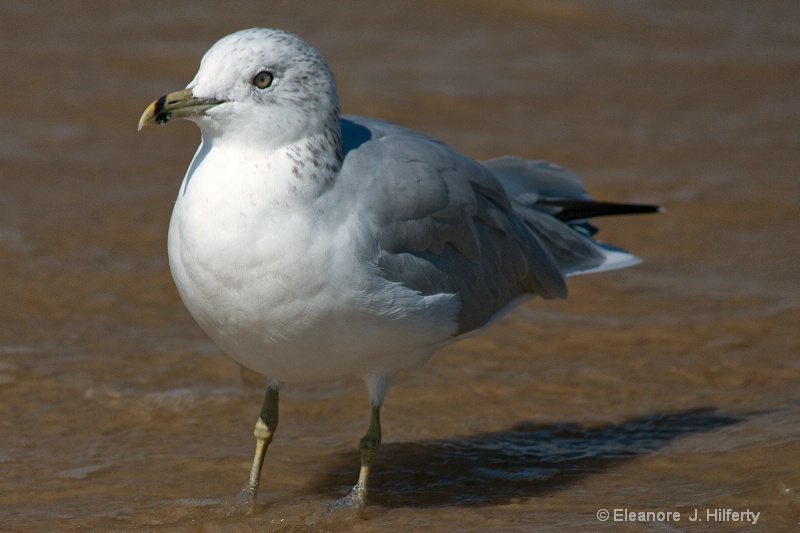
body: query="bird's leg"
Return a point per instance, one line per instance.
(368, 446)
(265, 428)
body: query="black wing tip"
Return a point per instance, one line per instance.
(633, 209)
(575, 209)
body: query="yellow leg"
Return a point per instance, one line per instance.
(368, 446)
(265, 428)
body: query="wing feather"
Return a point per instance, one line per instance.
(444, 223)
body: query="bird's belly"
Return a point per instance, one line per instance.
(305, 312)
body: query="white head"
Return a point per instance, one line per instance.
(257, 84)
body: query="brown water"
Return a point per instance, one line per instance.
(672, 386)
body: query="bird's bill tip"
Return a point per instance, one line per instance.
(179, 104)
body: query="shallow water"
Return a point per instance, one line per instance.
(667, 387)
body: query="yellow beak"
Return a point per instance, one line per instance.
(180, 104)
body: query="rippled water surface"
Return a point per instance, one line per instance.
(671, 387)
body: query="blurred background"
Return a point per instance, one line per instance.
(671, 386)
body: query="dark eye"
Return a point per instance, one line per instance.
(263, 79)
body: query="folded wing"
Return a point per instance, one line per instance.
(490, 232)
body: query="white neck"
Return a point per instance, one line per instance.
(295, 173)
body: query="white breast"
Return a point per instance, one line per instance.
(283, 289)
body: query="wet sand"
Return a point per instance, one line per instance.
(671, 386)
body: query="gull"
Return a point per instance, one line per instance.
(311, 245)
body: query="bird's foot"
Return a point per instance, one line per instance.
(356, 500)
(243, 503)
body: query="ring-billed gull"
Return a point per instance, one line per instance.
(310, 245)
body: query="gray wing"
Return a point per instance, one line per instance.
(444, 223)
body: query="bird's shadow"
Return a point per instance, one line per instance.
(526, 460)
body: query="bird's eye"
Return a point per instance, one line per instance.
(263, 79)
